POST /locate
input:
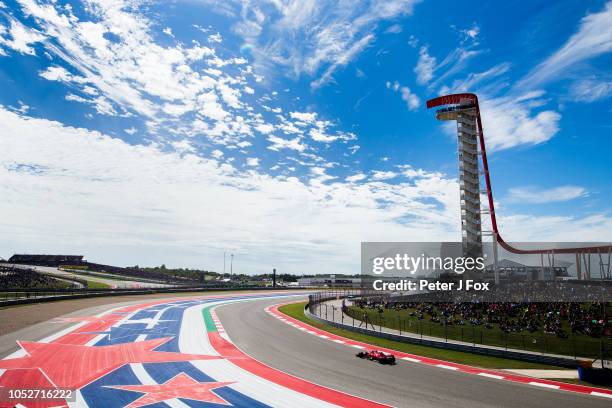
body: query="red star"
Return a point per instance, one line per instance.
(181, 386)
(73, 366)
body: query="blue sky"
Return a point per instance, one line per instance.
(287, 132)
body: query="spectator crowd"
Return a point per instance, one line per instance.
(511, 317)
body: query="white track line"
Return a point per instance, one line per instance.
(447, 367)
(414, 360)
(497, 377)
(543, 385)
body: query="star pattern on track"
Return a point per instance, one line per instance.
(73, 366)
(179, 386)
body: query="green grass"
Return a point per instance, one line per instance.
(97, 285)
(575, 345)
(296, 310)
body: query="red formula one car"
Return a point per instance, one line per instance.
(377, 355)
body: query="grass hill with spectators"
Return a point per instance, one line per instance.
(23, 278)
(561, 328)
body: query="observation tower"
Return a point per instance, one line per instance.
(465, 110)
(464, 113)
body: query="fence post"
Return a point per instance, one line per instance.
(601, 350)
(445, 332)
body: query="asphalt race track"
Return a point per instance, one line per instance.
(225, 350)
(404, 385)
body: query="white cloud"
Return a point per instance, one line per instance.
(454, 62)
(425, 66)
(55, 73)
(131, 131)
(183, 146)
(383, 175)
(215, 38)
(590, 90)
(342, 60)
(394, 29)
(114, 186)
(413, 41)
(409, 172)
(22, 108)
(279, 143)
(593, 38)
(510, 121)
(534, 195)
(252, 161)
(356, 177)
(321, 175)
(471, 33)
(169, 86)
(523, 227)
(109, 59)
(306, 117)
(22, 38)
(264, 128)
(307, 36)
(413, 102)
(318, 136)
(480, 81)
(395, 86)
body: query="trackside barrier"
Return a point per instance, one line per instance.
(14, 297)
(315, 311)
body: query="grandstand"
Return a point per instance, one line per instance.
(25, 278)
(76, 263)
(46, 260)
(134, 272)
